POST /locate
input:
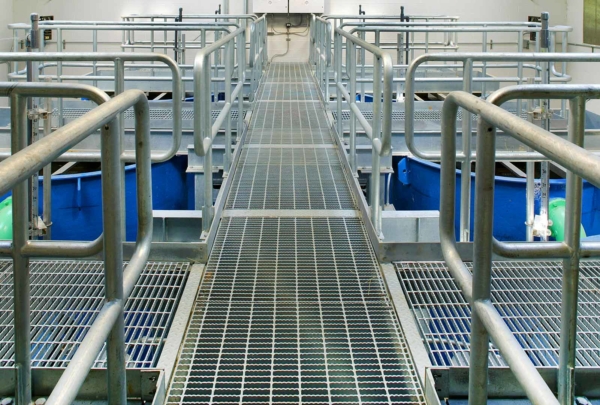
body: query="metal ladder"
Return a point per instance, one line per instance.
(292, 307)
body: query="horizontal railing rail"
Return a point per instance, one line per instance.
(204, 129)
(379, 130)
(26, 161)
(486, 321)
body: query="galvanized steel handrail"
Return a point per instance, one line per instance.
(475, 57)
(251, 17)
(466, 156)
(27, 161)
(118, 58)
(258, 51)
(380, 131)
(321, 37)
(486, 321)
(204, 129)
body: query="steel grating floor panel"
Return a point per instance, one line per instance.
(303, 91)
(67, 296)
(526, 294)
(290, 72)
(294, 178)
(292, 309)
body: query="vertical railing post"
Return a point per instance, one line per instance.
(112, 196)
(351, 48)
(465, 177)
(241, 60)
(228, 100)
(22, 297)
(543, 41)
(206, 132)
(327, 38)
(253, 55)
(482, 259)
(570, 280)
(530, 180)
(94, 63)
(362, 35)
(375, 192)
(337, 55)
(59, 48)
(120, 88)
(47, 173)
(520, 71)
(484, 68)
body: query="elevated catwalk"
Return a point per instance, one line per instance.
(292, 308)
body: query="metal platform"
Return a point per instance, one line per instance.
(292, 307)
(527, 295)
(66, 298)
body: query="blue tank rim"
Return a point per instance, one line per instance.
(498, 178)
(96, 173)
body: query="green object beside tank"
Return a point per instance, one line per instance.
(6, 219)
(556, 214)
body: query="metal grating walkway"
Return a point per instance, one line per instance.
(527, 295)
(292, 308)
(66, 298)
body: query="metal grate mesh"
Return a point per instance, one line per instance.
(289, 121)
(289, 72)
(293, 311)
(155, 113)
(526, 294)
(66, 298)
(304, 91)
(420, 115)
(292, 178)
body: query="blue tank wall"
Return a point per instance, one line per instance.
(77, 199)
(417, 187)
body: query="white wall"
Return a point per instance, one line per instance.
(5, 38)
(583, 73)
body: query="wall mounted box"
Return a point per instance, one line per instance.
(307, 6)
(270, 6)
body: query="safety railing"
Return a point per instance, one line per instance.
(119, 62)
(173, 34)
(339, 19)
(486, 322)
(205, 130)
(379, 130)
(407, 46)
(208, 29)
(258, 57)
(546, 73)
(321, 52)
(108, 326)
(196, 18)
